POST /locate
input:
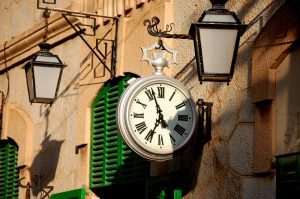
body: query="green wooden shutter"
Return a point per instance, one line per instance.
(112, 161)
(73, 194)
(288, 176)
(9, 174)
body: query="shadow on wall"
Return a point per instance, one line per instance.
(44, 165)
(186, 165)
(214, 157)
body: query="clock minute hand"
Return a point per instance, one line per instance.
(159, 111)
(150, 134)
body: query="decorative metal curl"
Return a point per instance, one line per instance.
(155, 32)
(27, 187)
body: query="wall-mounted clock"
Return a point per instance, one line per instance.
(156, 115)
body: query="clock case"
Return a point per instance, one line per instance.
(123, 115)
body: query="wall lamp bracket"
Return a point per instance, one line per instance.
(81, 29)
(101, 57)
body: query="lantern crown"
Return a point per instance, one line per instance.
(45, 57)
(218, 3)
(45, 46)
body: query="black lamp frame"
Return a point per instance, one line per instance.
(194, 31)
(45, 47)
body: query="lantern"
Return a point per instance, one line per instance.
(43, 74)
(216, 41)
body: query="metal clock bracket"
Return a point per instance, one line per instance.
(204, 120)
(159, 61)
(155, 32)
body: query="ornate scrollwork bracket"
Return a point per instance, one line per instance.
(155, 32)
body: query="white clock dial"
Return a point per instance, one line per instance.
(160, 117)
(156, 116)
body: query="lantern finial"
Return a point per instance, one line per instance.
(218, 3)
(45, 46)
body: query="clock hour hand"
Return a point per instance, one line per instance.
(159, 111)
(162, 121)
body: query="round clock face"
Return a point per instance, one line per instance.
(159, 118)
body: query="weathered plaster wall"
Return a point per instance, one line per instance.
(18, 15)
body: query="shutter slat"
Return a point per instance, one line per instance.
(9, 173)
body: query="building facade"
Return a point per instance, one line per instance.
(72, 148)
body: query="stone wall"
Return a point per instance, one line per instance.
(226, 165)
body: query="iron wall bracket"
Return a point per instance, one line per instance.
(155, 32)
(80, 30)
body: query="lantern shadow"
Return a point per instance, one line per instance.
(44, 165)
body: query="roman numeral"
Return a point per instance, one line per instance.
(138, 115)
(172, 139)
(172, 96)
(179, 129)
(183, 117)
(141, 127)
(180, 105)
(144, 105)
(160, 140)
(161, 92)
(149, 136)
(149, 94)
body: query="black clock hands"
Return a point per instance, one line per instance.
(158, 121)
(150, 134)
(159, 111)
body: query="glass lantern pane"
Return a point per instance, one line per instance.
(217, 47)
(29, 83)
(46, 80)
(218, 18)
(47, 59)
